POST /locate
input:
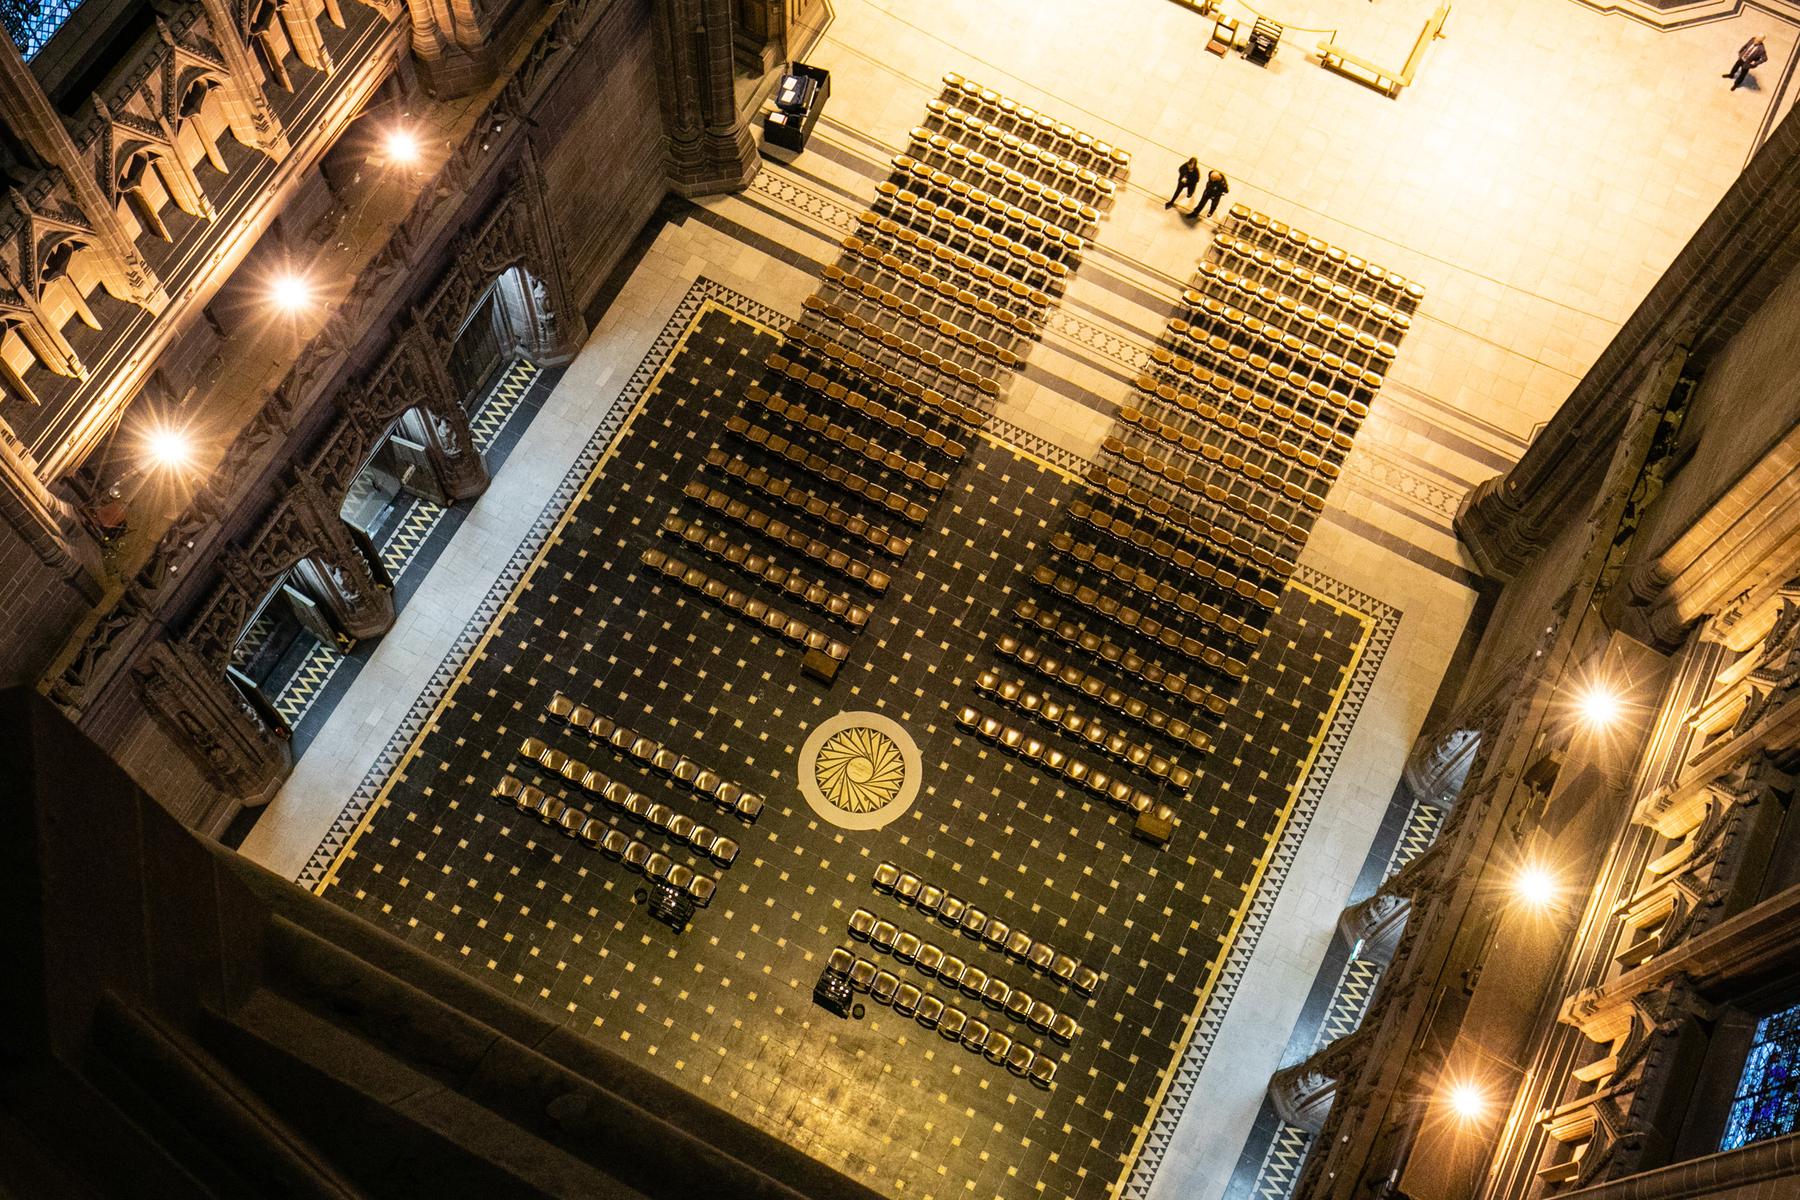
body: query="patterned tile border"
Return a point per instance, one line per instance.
(1200, 1045)
(1237, 958)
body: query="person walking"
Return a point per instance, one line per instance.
(1187, 178)
(1215, 189)
(1749, 57)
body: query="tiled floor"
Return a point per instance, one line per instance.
(1545, 167)
(725, 1008)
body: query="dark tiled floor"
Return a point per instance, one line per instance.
(725, 1008)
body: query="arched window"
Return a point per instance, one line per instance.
(1767, 1102)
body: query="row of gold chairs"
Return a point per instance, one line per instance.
(1231, 329)
(1030, 228)
(1322, 256)
(884, 987)
(1251, 522)
(958, 913)
(959, 231)
(1198, 690)
(1040, 162)
(614, 843)
(1273, 267)
(824, 469)
(1282, 470)
(1148, 585)
(1134, 708)
(829, 357)
(800, 499)
(887, 242)
(1314, 302)
(1135, 620)
(820, 384)
(742, 513)
(679, 827)
(1117, 792)
(747, 559)
(1280, 310)
(1259, 375)
(796, 414)
(1169, 543)
(1260, 418)
(1245, 551)
(705, 783)
(972, 170)
(928, 289)
(1103, 155)
(824, 653)
(976, 348)
(934, 960)
(892, 304)
(1091, 731)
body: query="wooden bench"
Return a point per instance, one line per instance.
(1384, 80)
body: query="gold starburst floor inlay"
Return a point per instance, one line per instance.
(859, 770)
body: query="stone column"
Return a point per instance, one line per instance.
(203, 713)
(361, 604)
(48, 525)
(451, 43)
(461, 472)
(36, 123)
(253, 122)
(709, 148)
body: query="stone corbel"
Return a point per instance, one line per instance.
(202, 713)
(461, 471)
(1376, 923)
(362, 605)
(253, 122)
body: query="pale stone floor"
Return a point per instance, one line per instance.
(1547, 165)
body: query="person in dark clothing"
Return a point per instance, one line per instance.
(1186, 180)
(1215, 189)
(1749, 57)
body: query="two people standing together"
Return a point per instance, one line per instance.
(1187, 178)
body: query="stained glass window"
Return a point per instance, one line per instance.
(30, 23)
(1768, 1095)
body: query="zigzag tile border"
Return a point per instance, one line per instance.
(1280, 1169)
(1187, 1072)
(1237, 958)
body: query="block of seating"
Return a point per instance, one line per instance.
(895, 247)
(575, 822)
(866, 448)
(1103, 155)
(894, 305)
(969, 174)
(1261, 262)
(746, 558)
(1322, 256)
(1119, 792)
(1284, 469)
(1235, 334)
(948, 121)
(738, 511)
(796, 413)
(1153, 535)
(1200, 692)
(702, 781)
(1108, 607)
(1030, 228)
(1133, 708)
(886, 988)
(1242, 380)
(925, 287)
(932, 960)
(1268, 421)
(937, 902)
(1105, 481)
(1281, 311)
(1245, 520)
(1077, 725)
(957, 229)
(800, 499)
(818, 309)
(824, 653)
(1233, 611)
(1337, 300)
(823, 468)
(922, 299)
(705, 840)
(801, 361)
(1338, 312)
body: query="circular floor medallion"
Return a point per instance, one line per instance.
(859, 770)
